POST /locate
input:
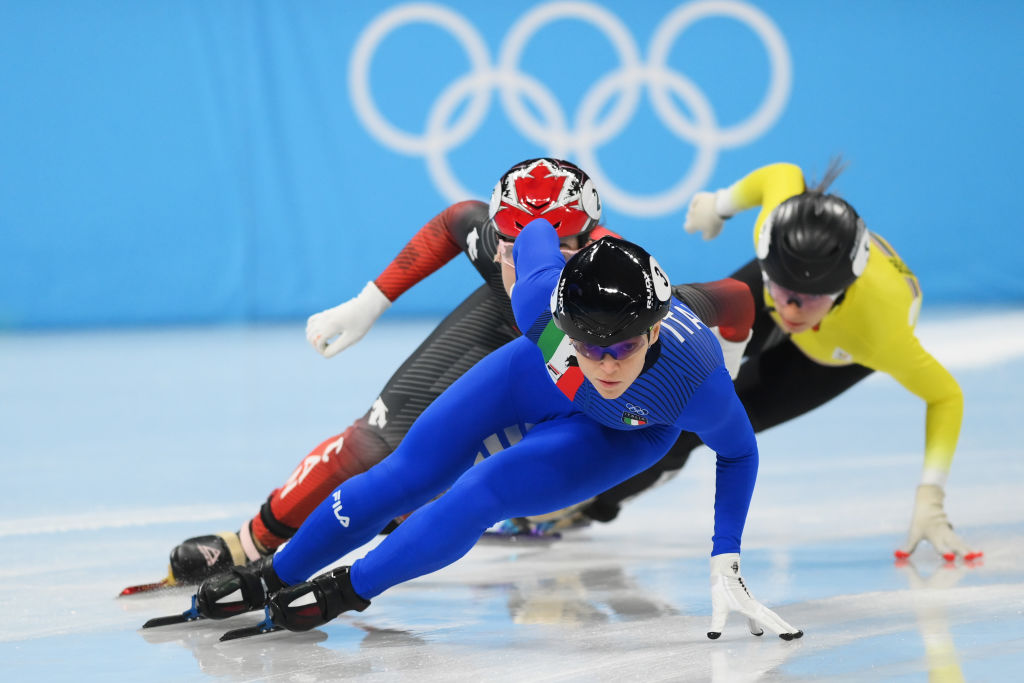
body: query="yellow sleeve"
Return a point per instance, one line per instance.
(767, 187)
(883, 309)
(919, 372)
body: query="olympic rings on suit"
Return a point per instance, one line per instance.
(636, 410)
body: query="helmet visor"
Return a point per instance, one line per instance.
(619, 350)
(781, 295)
(504, 253)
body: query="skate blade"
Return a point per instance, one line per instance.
(166, 582)
(191, 614)
(167, 621)
(249, 631)
(531, 539)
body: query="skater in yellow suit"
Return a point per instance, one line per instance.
(835, 303)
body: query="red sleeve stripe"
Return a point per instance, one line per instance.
(428, 250)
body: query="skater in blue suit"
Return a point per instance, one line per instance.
(611, 368)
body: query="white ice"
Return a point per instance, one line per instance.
(116, 446)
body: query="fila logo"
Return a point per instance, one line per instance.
(342, 519)
(210, 553)
(378, 414)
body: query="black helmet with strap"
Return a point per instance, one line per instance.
(609, 291)
(813, 243)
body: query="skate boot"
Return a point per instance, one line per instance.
(393, 524)
(201, 557)
(542, 526)
(315, 602)
(238, 590)
(516, 526)
(559, 521)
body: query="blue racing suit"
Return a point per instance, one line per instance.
(576, 443)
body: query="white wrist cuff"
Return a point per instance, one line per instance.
(726, 563)
(732, 352)
(934, 476)
(725, 207)
(374, 299)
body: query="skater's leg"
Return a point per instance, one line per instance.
(557, 464)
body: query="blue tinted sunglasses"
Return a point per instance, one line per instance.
(619, 350)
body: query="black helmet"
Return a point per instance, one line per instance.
(813, 244)
(609, 291)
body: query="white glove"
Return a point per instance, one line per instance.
(701, 216)
(732, 351)
(931, 524)
(729, 593)
(348, 321)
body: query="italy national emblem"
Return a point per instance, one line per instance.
(633, 420)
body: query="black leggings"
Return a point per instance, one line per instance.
(776, 383)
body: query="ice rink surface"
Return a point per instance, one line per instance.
(116, 446)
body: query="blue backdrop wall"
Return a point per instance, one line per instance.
(190, 161)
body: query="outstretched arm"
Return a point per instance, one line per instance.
(538, 265)
(434, 245)
(922, 374)
(717, 416)
(725, 428)
(766, 187)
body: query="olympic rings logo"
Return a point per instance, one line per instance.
(552, 131)
(636, 410)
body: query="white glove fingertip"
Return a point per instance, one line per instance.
(912, 542)
(942, 547)
(771, 621)
(957, 545)
(718, 617)
(334, 348)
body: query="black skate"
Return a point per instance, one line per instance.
(238, 590)
(202, 557)
(332, 594)
(307, 605)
